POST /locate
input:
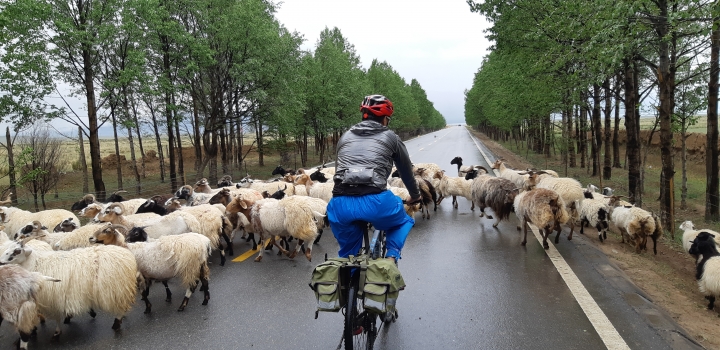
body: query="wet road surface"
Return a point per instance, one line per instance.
(469, 286)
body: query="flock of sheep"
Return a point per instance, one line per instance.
(52, 267)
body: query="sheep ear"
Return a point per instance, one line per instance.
(243, 205)
(117, 210)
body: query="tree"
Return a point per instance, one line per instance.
(39, 162)
(712, 190)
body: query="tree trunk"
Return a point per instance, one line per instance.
(597, 131)
(261, 148)
(181, 165)
(158, 142)
(11, 167)
(571, 138)
(712, 189)
(83, 162)
(117, 147)
(666, 85)
(633, 143)
(93, 124)
(168, 113)
(138, 182)
(616, 130)
(607, 169)
(196, 132)
(140, 144)
(683, 193)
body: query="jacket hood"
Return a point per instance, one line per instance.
(367, 128)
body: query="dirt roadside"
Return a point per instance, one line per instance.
(668, 277)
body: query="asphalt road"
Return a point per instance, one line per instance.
(469, 286)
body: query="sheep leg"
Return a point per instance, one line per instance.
(545, 237)
(711, 299)
(439, 200)
(92, 313)
(557, 236)
(67, 319)
(572, 228)
(524, 227)
(497, 221)
(145, 293)
(24, 339)
(117, 323)
(320, 232)
(229, 244)
(188, 293)
(298, 246)
(168, 293)
(600, 231)
(222, 257)
(582, 226)
(58, 331)
(482, 210)
(1, 319)
(455, 202)
(654, 238)
(260, 252)
(282, 250)
(204, 288)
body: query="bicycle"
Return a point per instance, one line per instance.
(360, 328)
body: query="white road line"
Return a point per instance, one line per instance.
(602, 324)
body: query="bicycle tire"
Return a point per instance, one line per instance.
(353, 322)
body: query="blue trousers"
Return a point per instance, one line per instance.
(383, 210)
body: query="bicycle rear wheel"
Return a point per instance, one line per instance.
(360, 330)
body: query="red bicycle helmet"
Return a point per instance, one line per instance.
(377, 105)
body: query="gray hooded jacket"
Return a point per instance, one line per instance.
(365, 155)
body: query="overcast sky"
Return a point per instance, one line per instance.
(439, 43)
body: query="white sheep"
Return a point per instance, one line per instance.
(689, 234)
(454, 186)
(596, 213)
(18, 291)
(286, 217)
(707, 271)
(211, 225)
(316, 189)
(513, 175)
(191, 197)
(497, 193)
(569, 189)
(636, 223)
(14, 218)
(543, 208)
(477, 190)
(183, 256)
(94, 278)
(213, 222)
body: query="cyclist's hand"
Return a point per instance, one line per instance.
(414, 200)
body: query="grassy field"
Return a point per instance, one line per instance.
(69, 188)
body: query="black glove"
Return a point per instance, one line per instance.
(414, 200)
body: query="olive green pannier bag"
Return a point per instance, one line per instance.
(379, 285)
(383, 283)
(325, 282)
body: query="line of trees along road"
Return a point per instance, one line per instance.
(583, 60)
(215, 69)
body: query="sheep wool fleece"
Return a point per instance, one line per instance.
(383, 210)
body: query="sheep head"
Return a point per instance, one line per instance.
(31, 229)
(223, 197)
(225, 181)
(184, 192)
(456, 160)
(278, 171)
(113, 213)
(83, 202)
(109, 235)
(91, 210)
(116, 197)
(16, 252)
(687, 226)
(173, 205)
(318, 176)
(67, 225)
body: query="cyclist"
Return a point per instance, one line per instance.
(365, 155)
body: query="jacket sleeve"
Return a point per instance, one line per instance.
(404, 166)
